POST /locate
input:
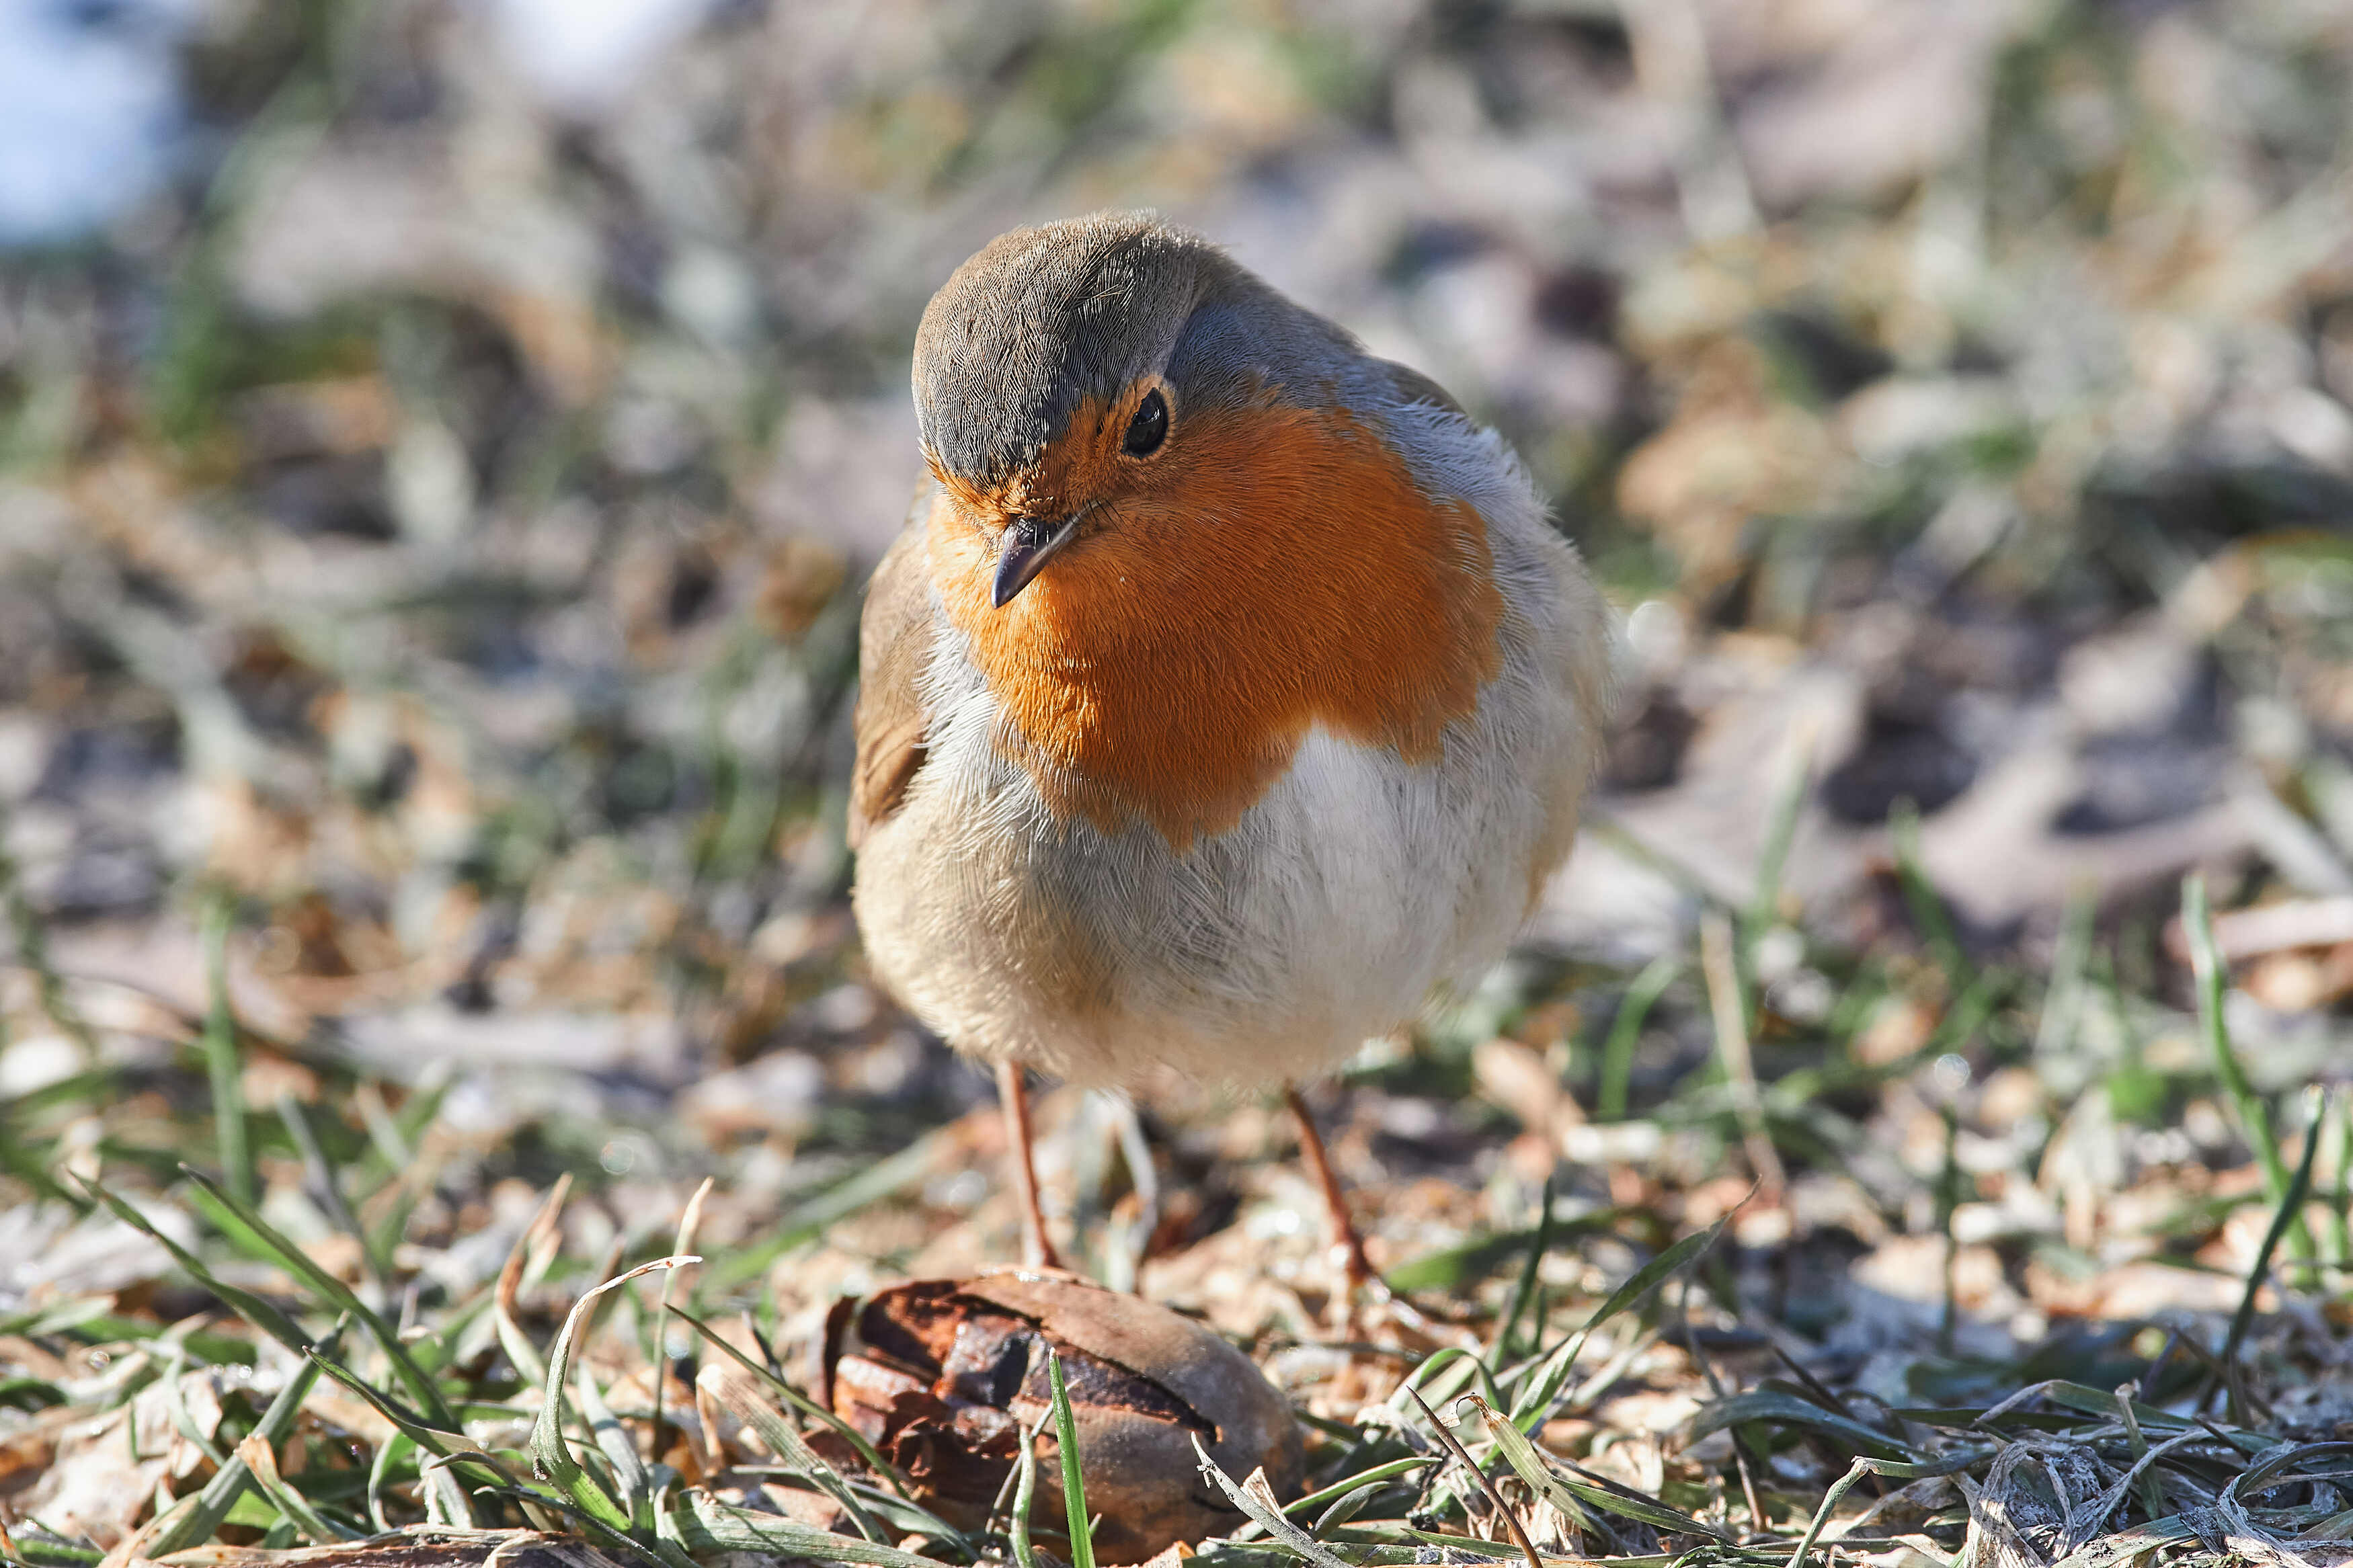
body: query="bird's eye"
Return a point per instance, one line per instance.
(1148, 428)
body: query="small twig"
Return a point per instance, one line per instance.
(1511, 1521)
(1748, 1489)
(1706, 1364)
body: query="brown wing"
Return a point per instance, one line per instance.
(894, 636)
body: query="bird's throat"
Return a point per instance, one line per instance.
(1281, 570)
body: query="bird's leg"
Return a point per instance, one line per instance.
(1013, 1094)
(1348, 1246)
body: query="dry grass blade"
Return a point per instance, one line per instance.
(261, 1461)
(1486, 1483)
(690, 1221)
(539, 1237)
(1269, 1519)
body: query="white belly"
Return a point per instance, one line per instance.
(1326, 916)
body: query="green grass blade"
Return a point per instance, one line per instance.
(262, 1465)
(802, 1402)
(448, 1445)
(1458, 1269)
(1920, 897)
(1535, 1401)
(661, 1555)
(1790, 789)
(1524, 1291)
(1573, 1496)
(1839, 1488)
(2063, 997)
(389, 1453)
(230, 1481)
(1378, 1475)
(631, 1478)
(2290, 1204)
(328, 1186)
(1074, 1485)
(47, 1552)
(33, 953)
(243, 1224)
(2340, 1205)
(1626, 1032)
(246, 1305)
(223, 1064)
(1776, 1407)
(734, 1388)
(1443, 1374)
(2207, 969)
(710, 1527)
(1025, 1495)
(551, 1454)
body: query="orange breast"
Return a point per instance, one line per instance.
(1274, 569)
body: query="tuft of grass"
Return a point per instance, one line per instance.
(1493, 1448)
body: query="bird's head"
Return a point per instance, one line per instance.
(1082, 378)
(1174, 524)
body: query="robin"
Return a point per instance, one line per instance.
(1226, 691)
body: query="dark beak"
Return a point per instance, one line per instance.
(1029, 543)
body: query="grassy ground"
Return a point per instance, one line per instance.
(429, 539)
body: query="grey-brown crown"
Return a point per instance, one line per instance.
(1042, 318)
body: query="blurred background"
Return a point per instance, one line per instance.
(441, 442)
